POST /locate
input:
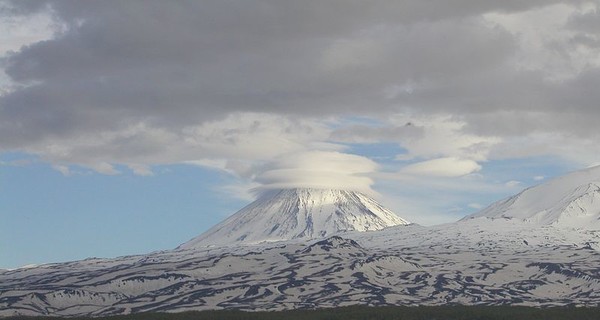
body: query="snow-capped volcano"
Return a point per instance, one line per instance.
(503, 261)
(299, 214)
(572, 200)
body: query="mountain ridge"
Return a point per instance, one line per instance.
(502, 257)
(572, 200)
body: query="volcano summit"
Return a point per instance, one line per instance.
(299, 214)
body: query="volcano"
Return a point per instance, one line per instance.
(572, 200)
(516, 252)
(299, 214)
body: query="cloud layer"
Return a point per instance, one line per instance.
(442, 167)
(237, 84)
(318, 169)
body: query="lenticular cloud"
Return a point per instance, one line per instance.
(319, 169)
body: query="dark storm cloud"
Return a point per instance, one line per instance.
(171, 64)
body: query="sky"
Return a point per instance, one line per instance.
(130, 127)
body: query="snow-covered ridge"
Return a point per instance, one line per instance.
(476, 262)
(572, 200)
(299, 214)
(518, 252)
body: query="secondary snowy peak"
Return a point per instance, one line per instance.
(299, 214)
(572, 200)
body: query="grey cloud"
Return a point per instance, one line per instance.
(518, 124)
(374, 134)
(569, 107)
(588, 22)
(175, 64)
(580, 93)
(586, 40)
(170, 65)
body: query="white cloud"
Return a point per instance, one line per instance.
(319, 169)
(62, 169)
(431, 200)
(444, 136)
(104, 168)
(512, 183)
(475, 205)
(538, 178)
(248, 135)
(235, 144)
(442, 167)
(423, 136)
(141, 170)
(581, 149)
(18, 31)
(17, 162)
(242, 190)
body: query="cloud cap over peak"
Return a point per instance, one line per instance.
(319, 169)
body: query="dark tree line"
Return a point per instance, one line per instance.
(366, 313)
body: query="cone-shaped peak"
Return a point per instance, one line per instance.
(299, 214)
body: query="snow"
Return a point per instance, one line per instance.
(478, 261)
(299, 214)
(572, 201)
(27, 266)
(539, 248)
